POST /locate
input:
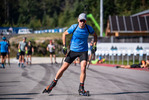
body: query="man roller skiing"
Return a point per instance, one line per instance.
(78, 48)
(3, 49)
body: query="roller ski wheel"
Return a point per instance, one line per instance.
(84, 93)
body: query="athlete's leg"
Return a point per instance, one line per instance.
(83, 59)
(83, 71)
(30, 56)
(51, 58)
(90, 57)
(58, 76)
(20, 58)
(27, 59)
(5, 59)
(82, 79)
(61, 70)
(19, 61)
(1, 59)
(54, 58)
(69, 59)
(8, 57)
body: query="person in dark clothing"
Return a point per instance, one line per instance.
(30, 50)
(142, 64)
(3, 49)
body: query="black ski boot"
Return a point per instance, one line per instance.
(49, 88)
(82, 91)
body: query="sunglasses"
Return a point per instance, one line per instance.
(83, 21)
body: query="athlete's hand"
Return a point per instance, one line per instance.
(26, 52)
(19, 50)
(64, 50)
(94, 48)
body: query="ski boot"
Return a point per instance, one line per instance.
(3, 66)
(9, 63)
(82, 91)
(49, 88)
(22, 65)
(117, 66)
(27, 62)
(18, 64)
(30, 63)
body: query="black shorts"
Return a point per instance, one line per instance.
(73, 55)
(52, 52)
(93, 51)
(29, 53)
(3, 54)
(22, 53)
(135, 66)
(7, 53)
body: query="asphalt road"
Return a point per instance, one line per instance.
(104, 83)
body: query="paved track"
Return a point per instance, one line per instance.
(104, 83)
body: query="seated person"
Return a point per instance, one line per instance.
(140, 65)
(99, 60)
(147, 63)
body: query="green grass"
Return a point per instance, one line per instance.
(120, 62)
(36, 37)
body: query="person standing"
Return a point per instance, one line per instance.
(78, 48)
(30, 50)
(22, 47)
(51, 49)
(8, 52)
(4, 49)
(92, 55)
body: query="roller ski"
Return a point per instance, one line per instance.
(81, 90)
(49, 88)
(83, 93)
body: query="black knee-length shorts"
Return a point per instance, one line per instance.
(73, 55)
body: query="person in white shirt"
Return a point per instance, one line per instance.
(51, 49)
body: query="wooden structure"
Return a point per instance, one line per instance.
(135, 25)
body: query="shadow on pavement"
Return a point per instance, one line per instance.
(139, 92)
(14, 98)
(19, 94)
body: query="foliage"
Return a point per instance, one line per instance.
(41, 14)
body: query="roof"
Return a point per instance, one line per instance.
(145, 12)
(128, 24)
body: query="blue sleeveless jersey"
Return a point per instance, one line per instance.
(79, 41)
(4, 46)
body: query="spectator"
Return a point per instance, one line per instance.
(30, 50)
(92, 55)
(98, 61)
(22, 47)
(4, 49)
(51, 49)
(142, 64)
(8, 53)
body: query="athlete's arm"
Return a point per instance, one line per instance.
(47, 48)
(19, 46)
(64, 37)
(32, 49)
(26, 48)
(95, 38)
(9, 48)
